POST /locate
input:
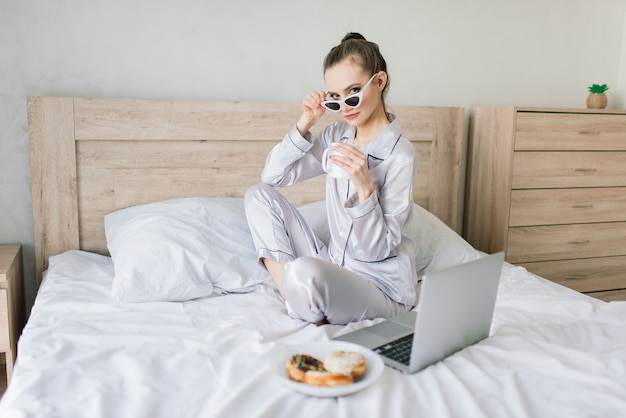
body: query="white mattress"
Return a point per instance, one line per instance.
(553, 352)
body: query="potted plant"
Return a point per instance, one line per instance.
(597, 96)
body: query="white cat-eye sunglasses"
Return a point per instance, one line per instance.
(353, 101)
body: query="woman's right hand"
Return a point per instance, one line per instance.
(312, 111)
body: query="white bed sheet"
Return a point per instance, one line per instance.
(553, 352)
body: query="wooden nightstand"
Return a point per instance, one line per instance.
(12, 313)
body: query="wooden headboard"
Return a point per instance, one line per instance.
(90, 157)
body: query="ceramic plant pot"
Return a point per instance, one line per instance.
(596, 101)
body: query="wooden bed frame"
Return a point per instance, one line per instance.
(90, 157)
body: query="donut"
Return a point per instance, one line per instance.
(326, 378)
(306, 369)
(346, 362)
(299, 364)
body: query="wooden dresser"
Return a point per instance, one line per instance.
(548, 186)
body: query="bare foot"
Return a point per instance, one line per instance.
(322, 322)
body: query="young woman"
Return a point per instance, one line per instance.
(368, 269)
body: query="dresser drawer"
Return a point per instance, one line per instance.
(4, 321)
(586, 275)
(567, 206)
(563, 242)
(534, 170)
(570, 131)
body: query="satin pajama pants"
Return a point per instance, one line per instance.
(314, 288)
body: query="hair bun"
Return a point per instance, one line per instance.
(353, 35)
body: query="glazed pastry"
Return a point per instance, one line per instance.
(346, 362)
(309, 370)
(299, 364)
(327, 378)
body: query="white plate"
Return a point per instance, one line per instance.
(319, 350)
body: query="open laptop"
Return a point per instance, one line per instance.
(455, 310)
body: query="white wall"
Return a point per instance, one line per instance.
(619, 98)
(440, 52)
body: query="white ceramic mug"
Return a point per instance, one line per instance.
(329, 166)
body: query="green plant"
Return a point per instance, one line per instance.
(598, 88)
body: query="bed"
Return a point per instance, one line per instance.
(150, 302)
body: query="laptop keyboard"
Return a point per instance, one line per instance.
(398, 350)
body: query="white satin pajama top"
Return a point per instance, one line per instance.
(366, 237)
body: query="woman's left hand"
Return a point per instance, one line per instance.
(354, 162)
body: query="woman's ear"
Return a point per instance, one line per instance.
(381, 80)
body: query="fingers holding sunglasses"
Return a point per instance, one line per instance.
(313, 102)
(312, 111)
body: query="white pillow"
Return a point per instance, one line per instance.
(182, 249)
(437, 245)
(189, 248)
